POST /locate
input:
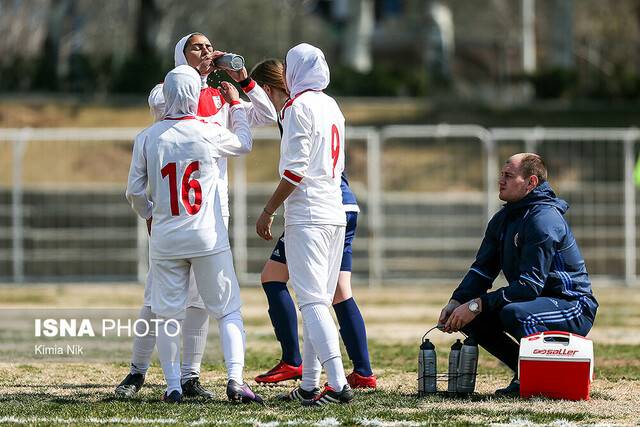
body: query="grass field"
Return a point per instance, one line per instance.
(78, 390)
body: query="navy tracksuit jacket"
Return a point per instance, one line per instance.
(548, 287)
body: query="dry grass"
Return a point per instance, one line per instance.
(396, 318)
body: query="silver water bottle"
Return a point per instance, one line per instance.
(427, 368)
(468, 366)
(230, 61)
(454, 361)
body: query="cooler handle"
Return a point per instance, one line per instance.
(565, 337)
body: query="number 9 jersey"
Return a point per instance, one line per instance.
(312, 158)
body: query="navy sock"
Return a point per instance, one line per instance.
(354, 335)
(284, 319)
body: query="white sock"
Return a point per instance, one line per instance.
(195, 328)
(232, 340)
(311, 367)
(169, 352)
(323, 335)
(143, 345)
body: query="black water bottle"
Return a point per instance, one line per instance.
(468, 366)
(454, 362)
(427, 368)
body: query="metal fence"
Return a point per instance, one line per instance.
(425, 193)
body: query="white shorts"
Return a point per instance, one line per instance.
(193, 299)
(216, 283)
(314, 253)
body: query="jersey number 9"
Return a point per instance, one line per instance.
(335, 147)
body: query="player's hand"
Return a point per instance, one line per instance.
(263, 226)
(446, 312)
(149, 221)
(215, 55)
(229, 92)
(460, 317)
(239, 75)
(205, 67)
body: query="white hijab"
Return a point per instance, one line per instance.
(180, 59)
(306, 69)
(181, 90)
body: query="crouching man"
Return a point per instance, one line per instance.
(548, 287)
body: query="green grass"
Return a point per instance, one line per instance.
(80, 391)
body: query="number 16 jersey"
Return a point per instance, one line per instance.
(179, 160)
(312, 158)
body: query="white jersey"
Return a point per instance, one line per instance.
(178, 158)
(213, 109)
(312, 158)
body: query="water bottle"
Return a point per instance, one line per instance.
(454, 361)
(468, 366)
(230, 61)
(427, 368)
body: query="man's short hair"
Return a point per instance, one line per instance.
(532, 164)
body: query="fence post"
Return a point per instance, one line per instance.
(240, 217)
(374, 172)
(142, 239)
(629, 209)
(17, 210)
(490, 178)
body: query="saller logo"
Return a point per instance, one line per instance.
(561, 352)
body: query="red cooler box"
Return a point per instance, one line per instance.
(555, 364)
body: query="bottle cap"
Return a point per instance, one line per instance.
(470, 341)
(427, 345)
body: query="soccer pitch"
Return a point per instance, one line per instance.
(78, 390)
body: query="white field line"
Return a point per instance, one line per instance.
(555, 423)
(326, 422)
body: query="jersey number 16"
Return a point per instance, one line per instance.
(188, 184)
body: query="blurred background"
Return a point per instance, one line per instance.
(437, 94)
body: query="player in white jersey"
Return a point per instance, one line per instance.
(196, 50)
(178, 158)
(311, 163)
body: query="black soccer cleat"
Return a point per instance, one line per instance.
(242, 393)
(193, 388)
(512, 390)
(329, 396)
(299, 394)
(129, 386)
(174, 397)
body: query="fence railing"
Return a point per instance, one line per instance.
(425, 193)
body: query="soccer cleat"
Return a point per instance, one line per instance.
(356, 380)
(329, 395)
(299, 394)
(242, 393)
(281, 372)
(193, 388)
(129, 386)
(512, 390)
(174, 397)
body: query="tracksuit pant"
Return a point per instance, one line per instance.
(495, 331)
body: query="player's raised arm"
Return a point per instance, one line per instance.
(136, 192)
(240, 141)
(260, 111)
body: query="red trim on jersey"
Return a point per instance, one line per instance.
(179, 118)
(292, 176)
(235, 103)
(250, 86)
(210, 102)
(290, 101)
